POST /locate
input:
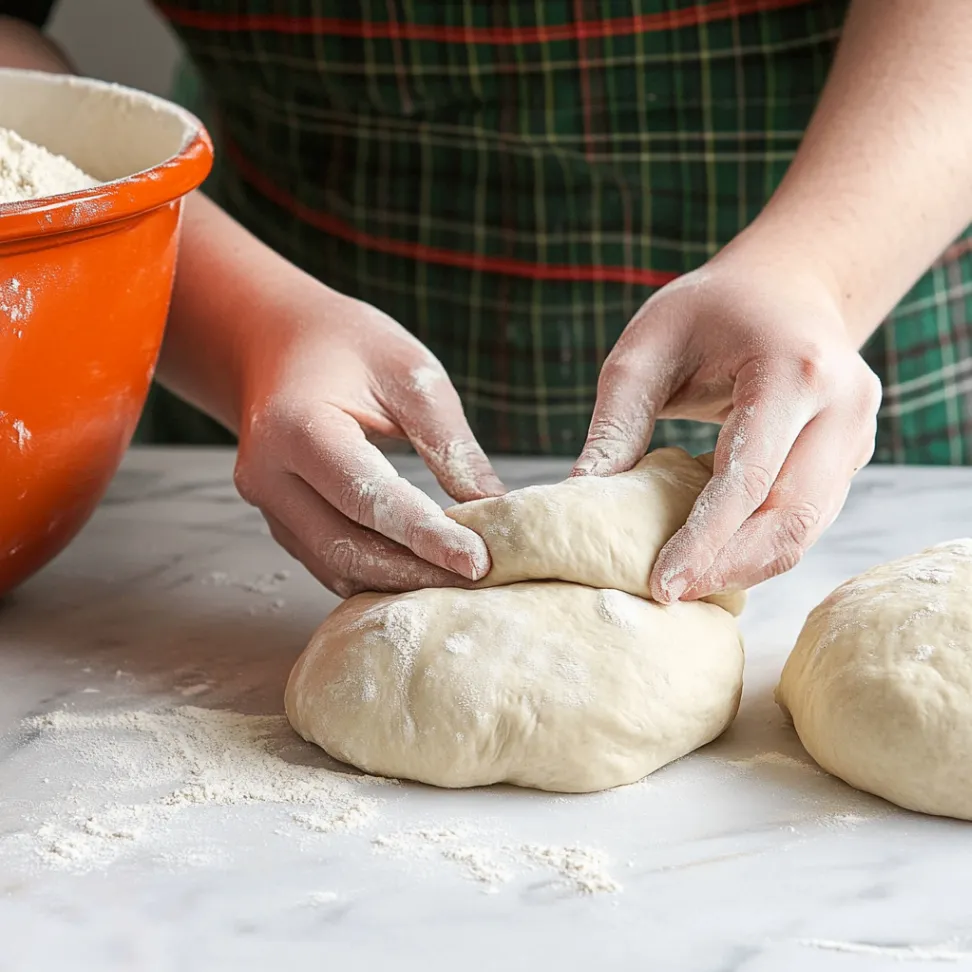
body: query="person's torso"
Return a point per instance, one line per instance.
(510, 180)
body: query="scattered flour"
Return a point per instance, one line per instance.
(265, 584)
(318, 898)
(425, 378)
(578, 869)
(777, 759)
(825, 801)
(28, 171)
(923, 652)
(458, 644)
(195, 757)
(147, 775)
(620, 609)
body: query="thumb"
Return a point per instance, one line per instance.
(632, 389)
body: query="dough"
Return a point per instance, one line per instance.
(549, 685)
(602, 532)
(879, 685)
(560, 686)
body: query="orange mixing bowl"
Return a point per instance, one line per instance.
(85, 284)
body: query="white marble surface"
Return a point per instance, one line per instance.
(740, 857)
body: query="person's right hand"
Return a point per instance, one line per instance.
(321, 377)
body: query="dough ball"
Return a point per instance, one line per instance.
(604, 532)
(879, 685)
(547, 685)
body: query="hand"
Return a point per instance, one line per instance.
(327, 373)
(761, 347)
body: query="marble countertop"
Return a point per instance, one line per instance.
(142, 673)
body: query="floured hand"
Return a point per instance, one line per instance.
(313, 392)
(752, 344)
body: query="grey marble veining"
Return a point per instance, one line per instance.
(740, 858)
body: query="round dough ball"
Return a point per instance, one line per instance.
(879, 685)
(547, 685)
(600, 531)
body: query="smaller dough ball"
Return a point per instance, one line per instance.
(879, 685)
(604, 532)
(545, 685)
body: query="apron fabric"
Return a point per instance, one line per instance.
(511, 180)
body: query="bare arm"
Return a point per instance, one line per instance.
(23, 46)
(764, 338)
(303, 374)
(883, 180)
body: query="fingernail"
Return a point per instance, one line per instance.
(675, 582)
(587, 465)
(473, 564)
(493, 486)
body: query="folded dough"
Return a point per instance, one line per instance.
(553, 673)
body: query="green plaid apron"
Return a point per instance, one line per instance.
(511, 180)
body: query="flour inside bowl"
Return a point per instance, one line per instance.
(28, 171)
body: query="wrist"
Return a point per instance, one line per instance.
(232, 306)
(768, 246)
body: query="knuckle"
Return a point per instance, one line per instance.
(813, 371)
(872, 392)
(357, 500)
(755, 481)
(340, 557)
(246, 482)
(608, 428)
(345, 587)
(781, 565)
(620, 368)
(281, 421)
(796, 528)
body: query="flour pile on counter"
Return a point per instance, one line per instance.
(583, 870)
(150, 777)
(194, 757)
(28, 171)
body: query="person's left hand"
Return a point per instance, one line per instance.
(763, 348)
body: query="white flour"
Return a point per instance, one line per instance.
(194, 757)
(145, 775)
(28, 171)
(619, 609)
(577, 869)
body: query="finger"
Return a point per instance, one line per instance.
(808, 495)
(634, 384)
(344, 556)
(769, 413)
(357, 480)
(427, 407)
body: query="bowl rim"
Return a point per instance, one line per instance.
(118, 199)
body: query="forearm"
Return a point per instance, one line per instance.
(23, 46)
(883, 180)
(233, 296)
(225, 283)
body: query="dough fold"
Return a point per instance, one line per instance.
(556, 672)
(598, 531)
